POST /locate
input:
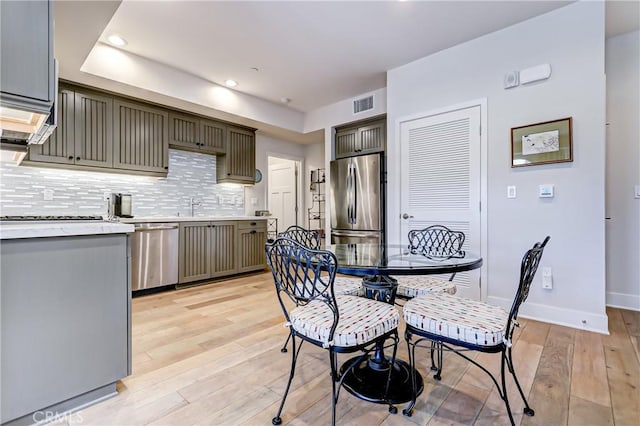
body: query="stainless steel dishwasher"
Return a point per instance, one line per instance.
(154, 255)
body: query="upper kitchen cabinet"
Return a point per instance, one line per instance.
(141, 137)
(238, 165)
(360, 139)
(194, 134)
(27, 70)
(84, 133)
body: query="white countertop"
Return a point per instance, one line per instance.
(156, 219)
(15, 230)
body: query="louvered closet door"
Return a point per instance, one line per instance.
(440, 177)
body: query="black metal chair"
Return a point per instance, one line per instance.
(435, 242)
(338, 323)
(446, 320)
(310, 238)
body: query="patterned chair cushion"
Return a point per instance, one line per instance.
(361, 320)
(416, 285)
(348, 286)
(457, 318)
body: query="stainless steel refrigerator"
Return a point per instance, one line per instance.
(357, 199)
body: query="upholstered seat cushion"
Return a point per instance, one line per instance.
(361, 320)
(417, 285)
(457, 318)
(348, 286)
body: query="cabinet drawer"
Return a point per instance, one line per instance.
(252, 224)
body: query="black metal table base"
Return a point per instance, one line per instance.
(368, 381)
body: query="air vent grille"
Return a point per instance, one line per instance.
(362, 104)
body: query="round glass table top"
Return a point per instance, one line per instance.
(395, 259)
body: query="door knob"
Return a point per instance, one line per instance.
(406, 216)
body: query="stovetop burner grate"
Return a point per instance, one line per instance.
(49, 218)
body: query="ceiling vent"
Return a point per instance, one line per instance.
(362, 104)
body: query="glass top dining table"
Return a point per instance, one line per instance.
(396, 259)
(368, 379)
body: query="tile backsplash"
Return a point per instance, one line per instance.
(191, 175)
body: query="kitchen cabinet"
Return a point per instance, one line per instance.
(84, 134)
(27, 70)
(141, 137)
(251, 239)
(207, 250)
(192, 133)
(65, 322)
(238, 164)
(365, 138)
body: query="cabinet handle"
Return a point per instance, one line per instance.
(253, 232)
(253, 224)
(166, 167)
(228, 174)
(71, 157)
(77, 158)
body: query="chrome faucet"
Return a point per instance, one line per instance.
(193, 203)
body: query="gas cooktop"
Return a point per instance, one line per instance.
(50, 218)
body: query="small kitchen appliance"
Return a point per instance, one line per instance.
(120, 205)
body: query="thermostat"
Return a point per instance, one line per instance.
(545, 191)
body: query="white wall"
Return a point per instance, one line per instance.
(571, 39)
(623, 170)
(266, 146)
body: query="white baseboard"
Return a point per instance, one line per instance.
(623, 300)
(560, 316)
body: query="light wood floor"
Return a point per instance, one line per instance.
(210, 355)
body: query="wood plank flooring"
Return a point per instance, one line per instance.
(211, 355)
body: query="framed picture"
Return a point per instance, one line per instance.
(542, 143)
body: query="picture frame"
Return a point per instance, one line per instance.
(547, 142)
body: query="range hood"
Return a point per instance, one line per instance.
(22, 122)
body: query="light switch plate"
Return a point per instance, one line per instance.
(511, 191)
(637, 191)
(48, 194)
(547, 278)
(546, 190)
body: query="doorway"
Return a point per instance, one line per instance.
(441, 179)
(283, 189)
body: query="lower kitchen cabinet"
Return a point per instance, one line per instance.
(251, 239)
(207, 250)
(217, 249)
(65, 307)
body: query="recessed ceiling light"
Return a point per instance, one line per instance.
(231, 83)
(116, 40)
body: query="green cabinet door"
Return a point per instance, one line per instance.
(251, 241)
(60, 147)
(195, 252)
(346, 143)
(184, 131)
(93, 129)
(212, 137)
(238, 165)
(223, 249)
(141, 137)
(372, 137)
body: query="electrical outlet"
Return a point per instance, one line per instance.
(547, 278)
(511, 191)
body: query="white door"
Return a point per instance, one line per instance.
(283, 203)
(440, 180)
